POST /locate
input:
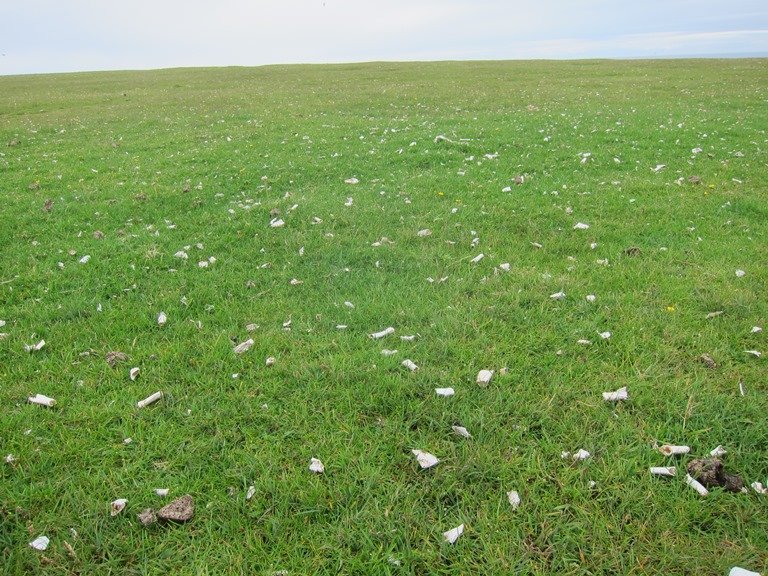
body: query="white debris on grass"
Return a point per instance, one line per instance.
(696, 485)
(591, 298)
(250, 493)
(736, 571)
(580, 455)
(557, 295)
(756, 329)
(754, 353)
(445, 391)
(316, 466)
(243, 346)
(410, 365)
(581, 226)
(484, 377)
(117, 506)
(351, 181)
(277, 223)
(453, 535)
(759, 488)
(34, 347)
(387, 352)
(461, 431)
(670, 450)
(134, 373)
(149, 399)
(717, 452)
(620, 394)
(162, 318)
(663, 470)
(604, 335)
(270, 361)
(425, 232)
(382, 333)
(425, 459)
(161, 491)
(477, 258)
(514, 499)
(40, 543)
(740, 273)
(42, 400)
(84, 259)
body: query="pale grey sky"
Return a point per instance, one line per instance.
(39, 36)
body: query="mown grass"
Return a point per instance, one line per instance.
(162, 161)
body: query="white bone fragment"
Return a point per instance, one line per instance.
(461, 431)
(385, 332)
(717, 452)
(251, 327)
(741, 388)
(759, 488)
(277, 222)
(161, 491)
(484, 377)
(620, 394)
(117, 506)
(736, 571)
(349, 202)
(10, 458)
(387, 352)
(149, 399)
(34, 347)
(514, 499)
(452, 535)
(243, 346)
(756, 329)
(127, 441)
(134, 373)
(740, 273)
(352, 181)
(445, 391)
(604, 335)
(341, 327)
(316, 466)
(505, 266)
(754, 353)
(296, 282)
(663, 471)
(84, 259)
(659, 167)
(270, 361)
(668, 450)
(591, 298)
(203, 264)
(557, 295)
(42, 400)
(425, 459)
(536, 245)
(584, 342)
(477, 258)
(693, 483)
(581, 455)
(425, 232)
(181, 254)
(581, 226)
(349, 304)
(40, 543)
(250, 493)
(408, 338)
(410, 365)
(162, 319)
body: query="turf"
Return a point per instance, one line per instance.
(502, 159)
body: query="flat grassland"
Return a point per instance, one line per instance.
(621, 211)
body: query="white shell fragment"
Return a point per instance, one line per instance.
(668, 450)
(277, 222)
(484, 377)
(663, 471)
(385, 332)
(243, 346)
(759, 488)
(581, 226)
(149, 399)
(42, 400)
(117, 506)
(40, 543)
(84, 259)
(461, 431)
(250, 493)
(717, 452)
(604, 335)
(134, 373)
(34, 347)
(410, 365)
(316, 466)
(162, 319)
(452, 535)
(620, 394)
(591, 298)
(514, 499)
(740, 273)
(270, 361)
(445, 391)
(425, 459)
(557, 295)
(756, 329)
(696, 485)
(161, 491)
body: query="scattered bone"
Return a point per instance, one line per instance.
(149, 399)
(584, 342)
(659, 167)
(740, 273)
(581, 226)
(316, 466)
(84, 259)
(408, 338)
(756, 329)
(349, 305)
(270, 361)
(452, 535)
(663, 471)
(161, 491)
(759, 488)
(251, 327)
(296, 282)
(707, 359)
(387, 352)
(243, 346)
(162, 318)
(180, 510)
(385, 332)
(604, 335)
(445, 391)
(114, 357)
(250, 493)
(461, 431)
(580, 455)
(714, 314)
(514, 499)
(40, 543)
(536, 245)
(42, 400)
(134, 373)
(669, 450)
(696, 485)
(477, 258)
(591, 298)
(34, 347)
(710, 472)
(620, 394)
(410, 365)
(717, 452)
(351, 181)
(557, 295)
(277, 222)
(736, 571)
(425, 459)
(754, 353)
(117, 506)
(147, 517)
(484, 377)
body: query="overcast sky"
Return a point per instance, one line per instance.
(38, 36)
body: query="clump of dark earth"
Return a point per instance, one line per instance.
(180, 510)
(707, 359)
(114, 357)
(711, 473)
(147, 517)
(633, 251)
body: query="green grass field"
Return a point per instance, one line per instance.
(149, 174)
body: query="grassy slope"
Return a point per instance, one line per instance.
(115, 151)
